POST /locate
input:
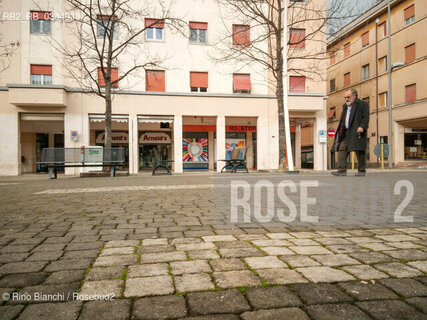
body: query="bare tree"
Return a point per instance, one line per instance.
(109, 44)
(267, 25)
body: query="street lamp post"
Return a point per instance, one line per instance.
(390, 118)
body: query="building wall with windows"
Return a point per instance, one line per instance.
(359, 59)
(190, 100)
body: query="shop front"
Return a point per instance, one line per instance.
(153, 145)
(415, 144)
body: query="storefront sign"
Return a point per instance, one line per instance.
(116, 137)
(419, 130)
(240, 128)
(155, 138)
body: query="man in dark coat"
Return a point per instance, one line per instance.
(351, 134)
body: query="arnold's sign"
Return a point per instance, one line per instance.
(116, 137)
(154, 138)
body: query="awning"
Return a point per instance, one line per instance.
(42, 117)
(101, 117)
(242, 82)
(155, 119)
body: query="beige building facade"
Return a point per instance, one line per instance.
(359, 59)
(195, 119)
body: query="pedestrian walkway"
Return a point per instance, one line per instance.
(144, 247)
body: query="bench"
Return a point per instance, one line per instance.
(161, 164)
(238, 159)
(54, 158)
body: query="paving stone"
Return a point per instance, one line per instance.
(225, 301)
(229, 279)
(265, 262)
(66, 276)
(279, 235)
(163, 257)
(227, 264)
(46, 311)
(371, 257)
(185, 241)
(272, 297)
(214, 317)
(283, 314)
(396, 238)
(408, 254)
(419, 303)
(308, 250)
(321, 293)
(303, 234)
(334, 234)
(365, 272)
(336, 312)
(22, 267)
(193, 266)
(45, 256)
(122, 260)
(420, 265)
(271, 243)
(166, 307)
(406, 287)
(70, 264)
(368, 291)
(304, 242)
(249, 237)
(405, 245)
(153, 249)
(193, 282)
(121, 243)
(154, 242)
(422, 280)
(299, 261)
(103, 273)
(390, 310)
(242, 252)
(362, 240)
(195, 246)
(219, 238)
(106, 310)
(49, 247)
(84, 246)
(324, 274)
(17, 249)
(276, 251)
(117, 251)
(203, 254)
(149, 286)
(10, 312)
(20, 280)
(280, 276)
(345, 248)
(333, 260)
(148, 270)
(80, 254)
(398, 270)
(232, 244)
(13, 257)
(48, 293)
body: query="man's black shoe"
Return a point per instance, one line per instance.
(360, 174)
(339, 173)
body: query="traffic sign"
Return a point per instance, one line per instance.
(331, 132)
(377, 150)
(322, 136)
(74, 135)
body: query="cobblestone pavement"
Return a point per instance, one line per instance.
(144, 247)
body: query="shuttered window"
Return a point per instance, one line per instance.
(409, 14)
(199, 81)
(410, 53)
(382, 100)
(332, 57)
(347, 79)
(297, 38)
(114, 77)
(41, 74)
(155, 80)
(242, 83)
(365, 39)
(296, 84)
(241, 35)
(347, 49)
(411, 93)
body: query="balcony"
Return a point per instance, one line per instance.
(37, 96)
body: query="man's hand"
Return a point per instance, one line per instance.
(360, 130)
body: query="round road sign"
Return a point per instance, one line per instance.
(331, 132)
(377, 150)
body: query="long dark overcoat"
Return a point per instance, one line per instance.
(359, 117)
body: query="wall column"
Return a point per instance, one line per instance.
(10, 161)
(263, 144)
(220, 142)
(133, 144)
(177, 143)
(298, 146)
(319, 149)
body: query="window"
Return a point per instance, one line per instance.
(332, 58)
(384, 139)
(366, 99)
(242, 83)
(114, 77)
(297, 38)
(332, 85)
(154, 29)
(382, 101)
(410, 53)
(382, 64)
(332, 113)
(155, 80)
(365, 39)
(41, 22)
(104, 25)
(365, 72)
(409, 15)
(347, 79)
(382, 30)
(198, 31)
(411, 93)
(199, 81)
(296, 84)
(241, 35)
(347, 49)
(41, 74)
